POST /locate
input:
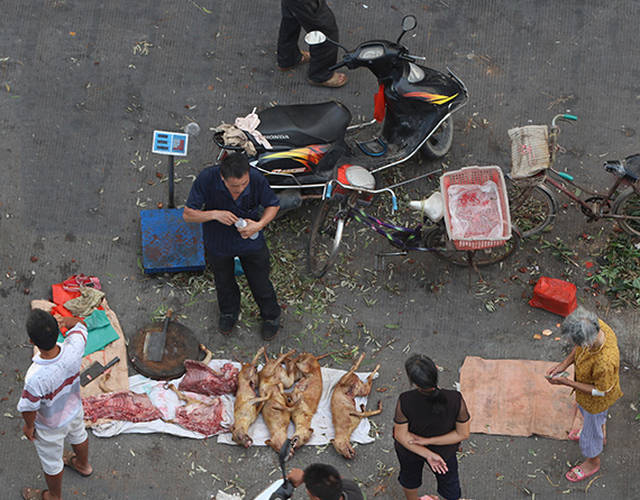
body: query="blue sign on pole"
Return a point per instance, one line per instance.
(170, 143)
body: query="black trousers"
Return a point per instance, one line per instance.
(256, 268)
(311, 15)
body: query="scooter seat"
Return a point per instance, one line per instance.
(304, 124)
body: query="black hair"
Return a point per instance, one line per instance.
(423, 372)
(234, 166)
(43, 329)
(323, 481)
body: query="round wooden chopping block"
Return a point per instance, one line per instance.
(180, 345)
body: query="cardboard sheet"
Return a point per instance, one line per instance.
(512, 397)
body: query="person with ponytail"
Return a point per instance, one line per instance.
(429, 424)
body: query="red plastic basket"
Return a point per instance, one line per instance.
(477, 175)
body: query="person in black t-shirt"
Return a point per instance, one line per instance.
(323, 482)
(429, 425)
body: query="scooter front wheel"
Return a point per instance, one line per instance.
(326, 235)
(440, 141)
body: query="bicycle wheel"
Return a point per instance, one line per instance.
(438, 240)
(440, 141)
(628, 203)
(326, 235)
(532, 208)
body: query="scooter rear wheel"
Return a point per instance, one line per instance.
(628, 204)
(440, 141)
(438, 240)
(326, 235)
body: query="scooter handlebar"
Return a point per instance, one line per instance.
(338, 65)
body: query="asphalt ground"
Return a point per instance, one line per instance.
(84, 83)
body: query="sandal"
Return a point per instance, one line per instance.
(305, 57)
(337, 80)
(574, 435)
(579, 474)
(74, 283)
(68, 461)
(33, 494)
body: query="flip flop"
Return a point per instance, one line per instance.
(579, 474)
(337, 80)
(67, 459)
(574, 435)
(305, 57)
(33, 494)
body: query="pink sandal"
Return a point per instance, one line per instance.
(74, 283)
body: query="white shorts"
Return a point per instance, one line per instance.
(50, 443)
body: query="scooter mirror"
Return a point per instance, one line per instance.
(409, 22)
(315, 38)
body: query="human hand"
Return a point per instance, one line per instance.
(558, 380)
(296, 476)
(67, 322)
(437, 463)
(225, 217)
(29, 431)
(251, 228)
(423, 441)
(554, 369)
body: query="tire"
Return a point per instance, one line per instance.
(326, 236)
(628, 203)
(438, 240)
(440, 141)
(532, 212)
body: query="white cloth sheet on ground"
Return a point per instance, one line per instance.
(167, 402)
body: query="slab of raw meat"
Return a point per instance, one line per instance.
(203, 380)
(205, 418)
(125, 405)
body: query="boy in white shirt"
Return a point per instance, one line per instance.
(50, 402)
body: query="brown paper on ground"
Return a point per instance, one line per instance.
(117, 377)
(512, 397)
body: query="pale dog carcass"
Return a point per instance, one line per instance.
(274, 378)
(305, 397)
(344, 415)
(247, 404)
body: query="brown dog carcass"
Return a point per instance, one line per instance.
(305, 397)
(274, 378)
(344, 415)
(247, 404)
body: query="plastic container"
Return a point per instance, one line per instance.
(477, 175)
(554, 295)
(243, 223)
(432, 207)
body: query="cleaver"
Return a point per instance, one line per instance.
(95, 370)
(155, 341)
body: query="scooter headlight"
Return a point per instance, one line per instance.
(371, 52)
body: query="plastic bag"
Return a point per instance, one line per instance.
(475, 211)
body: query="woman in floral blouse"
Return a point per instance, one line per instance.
(597, 382)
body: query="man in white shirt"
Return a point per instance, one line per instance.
(50, 402)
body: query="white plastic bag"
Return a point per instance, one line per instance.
(475, 211)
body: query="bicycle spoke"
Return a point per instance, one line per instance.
(532, 208)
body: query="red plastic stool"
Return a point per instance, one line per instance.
(554, 295)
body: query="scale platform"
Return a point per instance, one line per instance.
(169, 244)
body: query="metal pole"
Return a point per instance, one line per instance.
(171, 165)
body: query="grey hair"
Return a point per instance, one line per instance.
(581, 326)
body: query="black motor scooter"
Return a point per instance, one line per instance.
(314, 143)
